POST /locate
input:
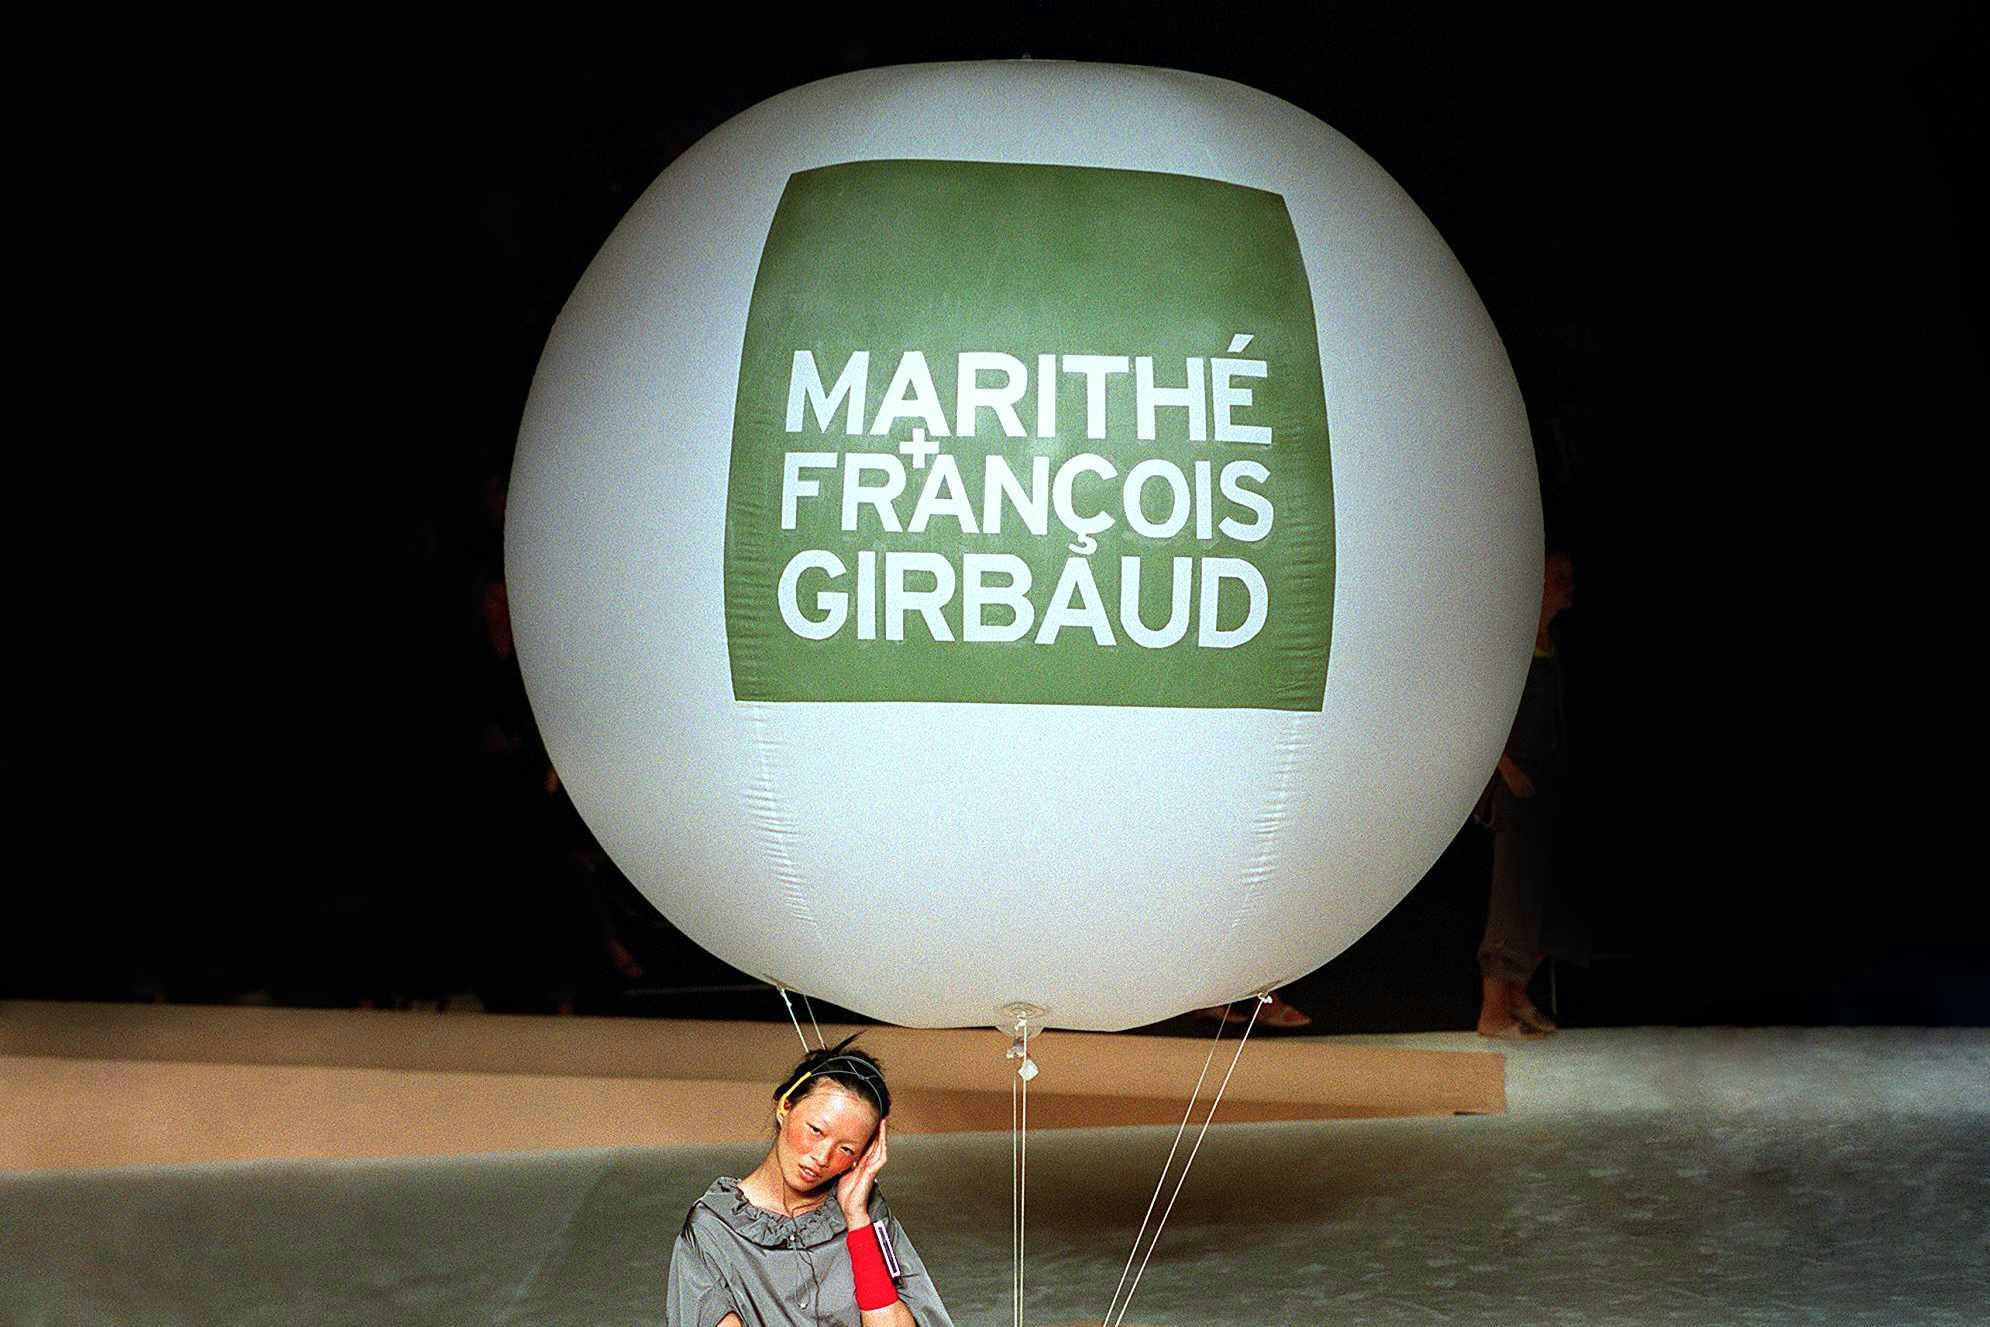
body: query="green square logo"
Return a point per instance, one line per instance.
(1021, 434)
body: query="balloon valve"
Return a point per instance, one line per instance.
(1023, 1019)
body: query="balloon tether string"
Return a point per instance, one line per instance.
(821, 1042)
(806, 1048)
(1019, 1152)
(1263, 999)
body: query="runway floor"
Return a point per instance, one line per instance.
(1702, 1176)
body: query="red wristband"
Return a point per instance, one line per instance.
(875, 1288)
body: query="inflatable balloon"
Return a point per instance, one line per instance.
(1024, 532)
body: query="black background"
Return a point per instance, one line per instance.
(1736, 263)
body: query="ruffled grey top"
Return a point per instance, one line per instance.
(781, 1271)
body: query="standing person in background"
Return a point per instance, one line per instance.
(1526, 801)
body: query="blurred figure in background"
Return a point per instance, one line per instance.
(1277, 1015)
(1523, 803)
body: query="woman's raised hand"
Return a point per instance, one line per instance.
(853, 1191)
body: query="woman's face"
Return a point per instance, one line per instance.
(822, 1136)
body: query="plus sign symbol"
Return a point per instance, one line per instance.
(920, 450)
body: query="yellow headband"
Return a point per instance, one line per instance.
(862, 1072)
(781, 1106)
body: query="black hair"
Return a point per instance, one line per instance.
(858, 1071)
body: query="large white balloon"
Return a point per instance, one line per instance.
(844, 452)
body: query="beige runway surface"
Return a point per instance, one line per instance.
(1637, 1176)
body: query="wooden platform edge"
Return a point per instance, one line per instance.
(111, 1085)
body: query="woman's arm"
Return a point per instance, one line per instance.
(894, 1314)
(916, 1291)
(853, 1194)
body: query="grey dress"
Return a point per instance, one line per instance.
(778, 1271)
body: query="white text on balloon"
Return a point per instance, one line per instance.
(912, 394)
